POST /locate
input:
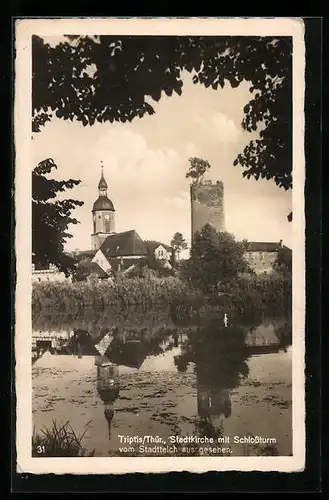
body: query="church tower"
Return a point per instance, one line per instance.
(103, 215)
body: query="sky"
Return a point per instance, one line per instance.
(145, 164)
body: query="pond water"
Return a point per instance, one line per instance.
(147, 386)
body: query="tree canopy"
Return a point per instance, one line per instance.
(109, 78)
(283, 262)
(82, 269)
(198, 167)
(51, 218)
(215, 257)
(178, 243)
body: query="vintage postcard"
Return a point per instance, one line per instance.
(159, 200)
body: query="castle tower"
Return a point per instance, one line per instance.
(103, 215)
(207, 206)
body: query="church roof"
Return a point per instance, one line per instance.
(126, 263)
(103, 203)
(131, 353)
(96, 269)
(123, 244)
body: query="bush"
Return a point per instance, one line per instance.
(268, 293)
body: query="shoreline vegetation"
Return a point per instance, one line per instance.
(59, 440)
(248, 294)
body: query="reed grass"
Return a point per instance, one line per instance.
(120, 295)
(60, 440)
(246, 295)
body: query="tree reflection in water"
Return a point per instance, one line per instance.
(284, 334)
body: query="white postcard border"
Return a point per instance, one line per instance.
(25, 28)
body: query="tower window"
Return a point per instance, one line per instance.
(107, 226)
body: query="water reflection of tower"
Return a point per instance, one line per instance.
(213, 399)
(107, 386)
(219, 357)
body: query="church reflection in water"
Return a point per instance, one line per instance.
(121, 348)
(108, 386)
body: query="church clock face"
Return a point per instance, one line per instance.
(107, 217)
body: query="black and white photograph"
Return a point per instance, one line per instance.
(160, 244)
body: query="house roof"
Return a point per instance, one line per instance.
(153, 245)
(82, 339)
(123, 244)
(265, 246)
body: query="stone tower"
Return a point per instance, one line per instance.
(103, 215)
(207, 206)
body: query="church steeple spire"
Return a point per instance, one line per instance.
(102, 185)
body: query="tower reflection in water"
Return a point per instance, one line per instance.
(219, 356)
(108, 386)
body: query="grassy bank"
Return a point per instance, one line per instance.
(120, 295)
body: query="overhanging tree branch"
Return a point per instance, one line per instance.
(106, 78)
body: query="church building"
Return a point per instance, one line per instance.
(111, 251)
